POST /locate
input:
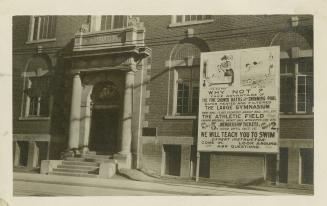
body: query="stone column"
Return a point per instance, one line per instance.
(127, 115)
(75, 112)
(85, 123)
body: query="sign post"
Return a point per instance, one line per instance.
(239, 101)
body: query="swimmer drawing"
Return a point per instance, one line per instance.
(222, 74)
(257, 70)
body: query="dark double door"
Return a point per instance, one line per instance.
(104, 130)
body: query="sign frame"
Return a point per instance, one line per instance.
(241, 56)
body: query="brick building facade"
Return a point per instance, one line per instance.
(128, 86)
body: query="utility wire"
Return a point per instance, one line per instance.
(161, 42)
(208, 32)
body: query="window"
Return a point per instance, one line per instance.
(187, 91)
(37, 97)
(42, 28)
(113, 22)
(304, 88)
(108, 22)
(190, 18)
(36, 92)
(185, 60)
(296, 86)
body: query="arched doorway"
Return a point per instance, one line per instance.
(106, 101)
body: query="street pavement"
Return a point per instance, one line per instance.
(26, 184)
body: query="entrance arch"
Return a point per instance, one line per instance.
(105, 118)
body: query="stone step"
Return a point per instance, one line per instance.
(75, 158)
(74, 174)
(92, 156)
(73, 170)
(91, 152)
(81, 167)
(80, 163)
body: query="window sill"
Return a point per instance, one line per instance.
(180, 117)
(190, 23)
(296, 116)
(40, 41)
(33, 118)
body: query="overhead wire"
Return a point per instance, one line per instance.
(158, 41)
(208, 32)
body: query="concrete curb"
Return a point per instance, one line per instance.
(162, 187)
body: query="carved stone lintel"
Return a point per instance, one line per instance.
(133, 21)
(84, 28)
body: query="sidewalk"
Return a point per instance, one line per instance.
(164, 187)
(149, 177)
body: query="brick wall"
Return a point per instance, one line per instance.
(151, 157)
(258, 31)
(66, 28)
(296, 128)
(260, 34)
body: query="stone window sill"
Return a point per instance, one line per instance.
(40, 41)
(296, 116)
(175, 117)
(33, 118)
(190, 23)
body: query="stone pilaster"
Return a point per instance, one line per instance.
(293, 166)
(124, 155)
(33, 155)
(16, 153)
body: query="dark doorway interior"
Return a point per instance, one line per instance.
(307, 166)
(43, 148)
(193, 160)
(23, 156)
(173, 159)
(271, 167)
(283, 165)
(104, 131)
(204, 165)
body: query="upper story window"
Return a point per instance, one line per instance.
(42, 28)
(180, 20)
(296, 86)
(36, 92)
(187, 91)
(185, 60)
(187, 18)
(108, 22)
(37, 97)
(113, 22)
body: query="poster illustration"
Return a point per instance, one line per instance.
(239, 101)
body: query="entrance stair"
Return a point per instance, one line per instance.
(86, 165)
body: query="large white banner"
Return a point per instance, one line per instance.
(239, 101)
